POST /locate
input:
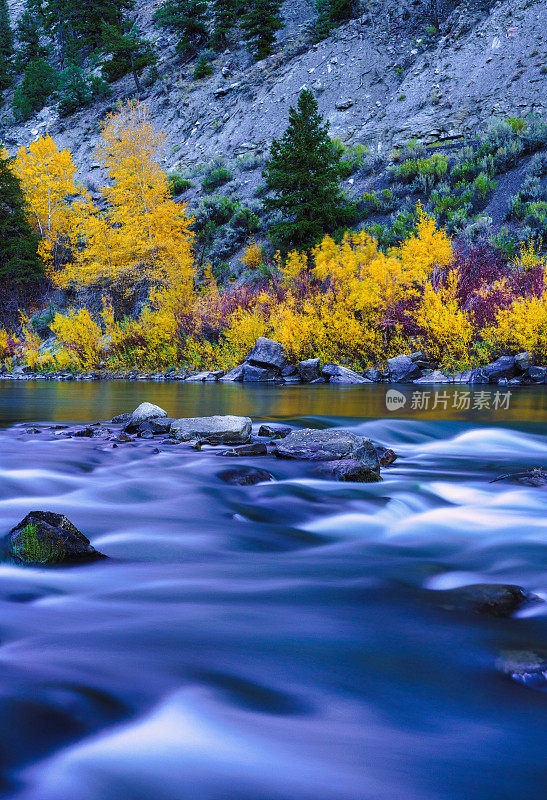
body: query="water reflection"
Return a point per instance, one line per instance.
(87, 401)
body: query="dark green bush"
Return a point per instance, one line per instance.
(39, 83)
(203, 69)
(215, 178)
(178, 184)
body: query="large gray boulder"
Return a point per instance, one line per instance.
(433, 377)
(267, 353)
(523, 361)
(217, 430)
(253, 374)
(503, 367)
(309, 370)
(332, 444)
(46, 538)
(334, 373)
(233, 375)
(143, 413)
(402, 369)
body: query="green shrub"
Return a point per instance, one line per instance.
(77, 90)
(178, 184)
(216, 177)
(484, 185)
(203, 69)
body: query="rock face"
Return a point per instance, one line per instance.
(142, 413)
(47, 538)
(337, 374)
(328, 445)
(216, 430)
(267, 353)
(402, 369)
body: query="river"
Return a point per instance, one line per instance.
(283, 641)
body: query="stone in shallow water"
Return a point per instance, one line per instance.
(348, 470)
(524, 666)
(255, 449)
(245, 476)
(329, 445)
(497, 600)
(216, 430)
(47, 538)
(274, 432)
(337, 374)
(142, 413)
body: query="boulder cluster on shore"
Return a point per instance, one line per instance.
(268, 363)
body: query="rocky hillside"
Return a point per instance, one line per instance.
(386, 77)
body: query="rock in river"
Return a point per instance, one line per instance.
(47, 538)
(142, 413)
(216, 430)
(349, 470)
(497, 600)
(245, 476)
(332, 444)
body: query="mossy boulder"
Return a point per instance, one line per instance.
(44, 538)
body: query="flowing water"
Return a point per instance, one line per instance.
(282, 641)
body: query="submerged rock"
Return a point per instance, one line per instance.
(47, 538)
(524, 666)
(329, 445)
(255, 449)
(215, 430)
(497, 600)
(245, 476)
(348, 469)
(142, 413)
(274, 432)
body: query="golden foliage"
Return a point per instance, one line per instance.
(253, 256)
(47, 177)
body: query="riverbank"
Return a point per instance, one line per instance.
(268, 363)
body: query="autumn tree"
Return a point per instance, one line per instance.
(303, 173)
(260, 24)
(142, 234)
(47, 176)
(19, 258)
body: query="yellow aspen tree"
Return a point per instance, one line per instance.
(47, 176)
(143, 234)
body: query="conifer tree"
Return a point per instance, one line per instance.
(28, 34)
(187, 19)
(19, 243)
(6, 46)
(260, 24)
(304, 173)
(332, 13)
(129, 52)
(224, 18)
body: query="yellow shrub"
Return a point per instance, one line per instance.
(448, 330)
(81, 339)
(523, 326)
(253, 256)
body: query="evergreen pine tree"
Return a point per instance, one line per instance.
(28, 34)
(129, 52)
(260, 24)
(39, 83)
(19, 259)
(6, 46)
(224, 17)
(187, 19)
(304, 173)
(332, 13)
